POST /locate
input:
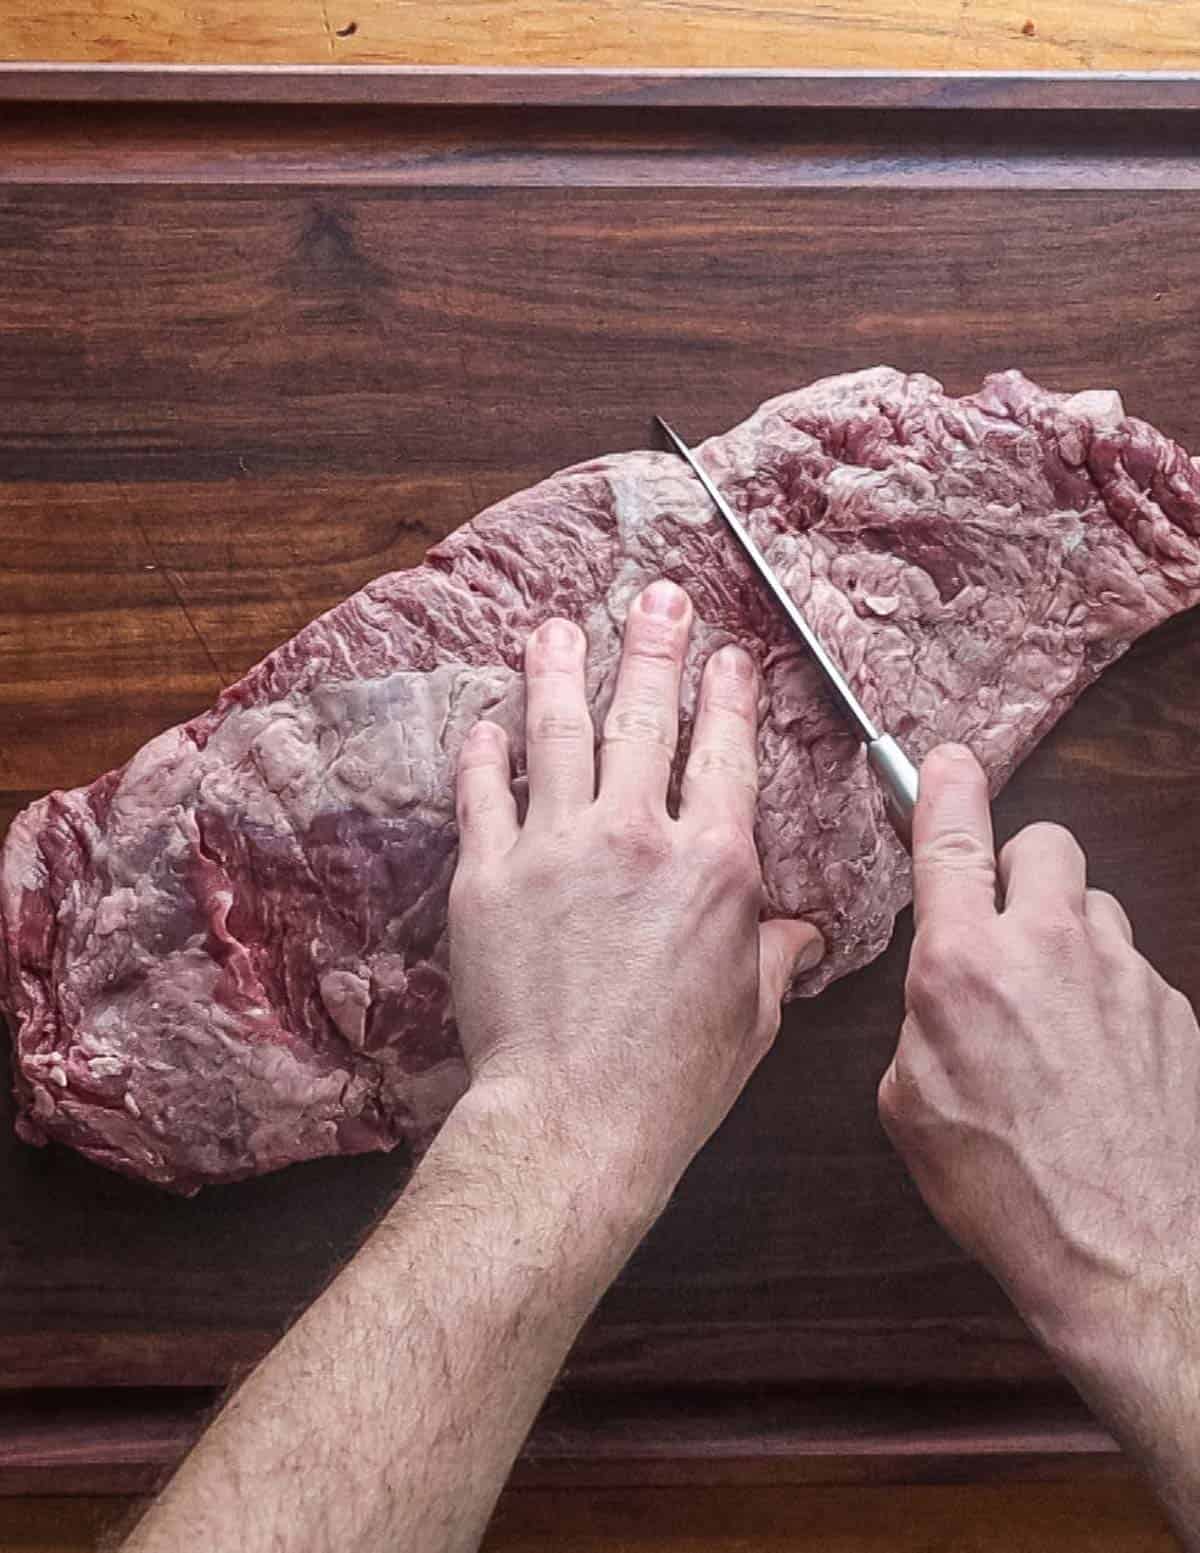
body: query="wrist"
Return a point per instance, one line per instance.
(572, 1213)
(1132, 1349)
(574, 1159)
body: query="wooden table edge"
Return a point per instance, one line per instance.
(122, 1441)
(448, 86)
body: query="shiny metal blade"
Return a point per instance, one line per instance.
(840, 690)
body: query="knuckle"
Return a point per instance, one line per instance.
(540, 871)
(482, 754)
(1058, 933)
(731, 696)
(639, 723)
(897, 1098)
(1177, 1005)
(891, 1102)
(936, 953)
(556, 838)
(1105, 907)
(469, 810)
(472, 805)
(560, 725)
(945, 963)
(653, 641)
(638, 841)
(903, 1099)
(538, 864)
(960, 850)
(724, 759)
(471, 758)
(727, 850)
(471, 890)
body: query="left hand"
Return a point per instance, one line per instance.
(607, 959)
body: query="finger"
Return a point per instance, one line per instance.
(1106, 914)
(559, 740)
(720, 781)
(787, 949)
(1043, 865)
(954, 860)
(642, 725)
(487, 813)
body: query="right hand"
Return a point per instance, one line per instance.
(1045, 1093)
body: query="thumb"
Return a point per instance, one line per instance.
(954, 852)
(786, 948)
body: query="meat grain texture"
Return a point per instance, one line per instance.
(231, 953)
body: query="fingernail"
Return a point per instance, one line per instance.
(735, 661)
(955, 752)
(485, 732)
(810, 956)
(558, 633)
(665, 599)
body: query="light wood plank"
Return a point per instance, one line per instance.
(878, 34)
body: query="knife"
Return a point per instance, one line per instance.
(896, 773)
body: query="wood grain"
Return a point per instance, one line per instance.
(405, 142)
(843, 34)
(1070, 1518)
(231, 400)
(862, 1520)
(124, 1439)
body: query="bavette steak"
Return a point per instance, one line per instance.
(230, 954)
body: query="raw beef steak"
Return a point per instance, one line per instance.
(231, 953)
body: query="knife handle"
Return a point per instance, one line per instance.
(898, 778)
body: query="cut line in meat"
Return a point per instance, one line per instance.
(231, 954)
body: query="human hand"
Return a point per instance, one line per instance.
(1045, 1092)
(607, 960)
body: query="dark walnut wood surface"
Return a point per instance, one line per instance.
(251, 357)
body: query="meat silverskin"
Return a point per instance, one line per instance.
(230, 954)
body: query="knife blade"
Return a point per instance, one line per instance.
(895, 772)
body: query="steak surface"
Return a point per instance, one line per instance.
(230, 954)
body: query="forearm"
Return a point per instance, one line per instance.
(391, 1413)
(1138, 1367)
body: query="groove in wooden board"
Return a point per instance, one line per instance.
(485, 148)
(433, 87)
(125, 1439)
(943, 34)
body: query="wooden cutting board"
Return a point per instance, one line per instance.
(265, 335)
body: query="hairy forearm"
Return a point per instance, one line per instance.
(392, 1411)
(1135, 1358)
